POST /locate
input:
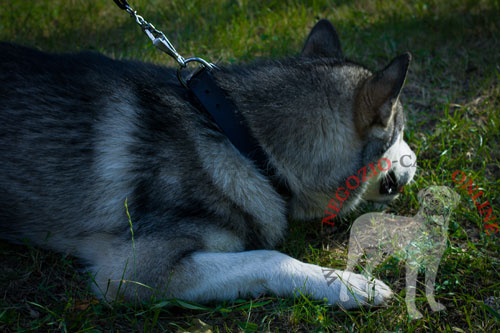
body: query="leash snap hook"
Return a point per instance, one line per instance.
(167, 47)
(161, 42)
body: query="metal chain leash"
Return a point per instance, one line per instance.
(211, 98)
(161, 41)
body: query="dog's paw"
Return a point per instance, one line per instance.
(437, 306)
(356, 290)
(414, 314)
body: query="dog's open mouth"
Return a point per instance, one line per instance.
(389, 185)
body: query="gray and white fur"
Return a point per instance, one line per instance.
(80, 133)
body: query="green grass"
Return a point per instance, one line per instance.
(452, 99)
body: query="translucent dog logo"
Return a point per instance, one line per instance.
(419, 240)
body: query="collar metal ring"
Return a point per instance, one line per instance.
(204, 64)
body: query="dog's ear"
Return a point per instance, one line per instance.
(379, 94)
(323, 41)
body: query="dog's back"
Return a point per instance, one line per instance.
(46, 120)
(81, 133)
(66, 124)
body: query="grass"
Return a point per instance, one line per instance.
(452, 99)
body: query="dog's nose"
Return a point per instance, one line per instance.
(402, 179)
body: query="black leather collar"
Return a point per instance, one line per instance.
(214, 101)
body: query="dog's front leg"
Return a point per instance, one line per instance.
(411, 286)
(206, 276)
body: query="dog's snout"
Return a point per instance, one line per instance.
(401, 173)
(392, 184)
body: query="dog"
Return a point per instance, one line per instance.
(419, 240)
(82, 133)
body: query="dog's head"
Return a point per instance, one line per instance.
(358, 130)
(437, 201)
(325, 121)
